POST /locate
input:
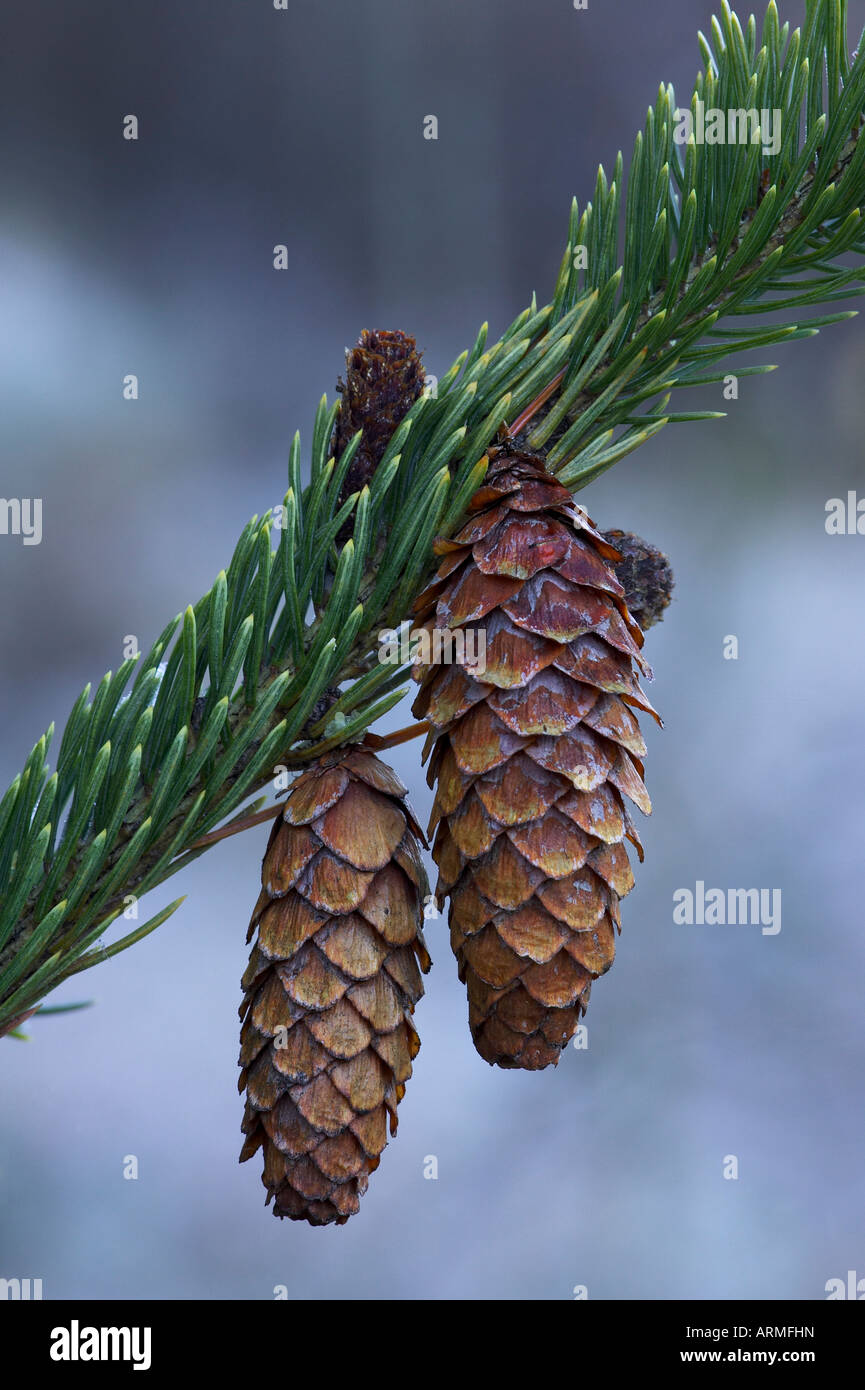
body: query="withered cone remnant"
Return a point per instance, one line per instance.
(646, 576)
(327, 1041)
(532, 757)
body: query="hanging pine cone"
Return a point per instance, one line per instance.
(532, 758)
(327, 1041)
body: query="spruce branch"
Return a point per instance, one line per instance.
(711, 231)
(278, 662)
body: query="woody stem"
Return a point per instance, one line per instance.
(377, 742)
(534, 406)
(235, 827)
(16, 1022)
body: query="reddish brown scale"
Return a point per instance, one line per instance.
(534, 758)
(327, 1042)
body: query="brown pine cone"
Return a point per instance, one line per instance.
(532, 758)
(327, 1040)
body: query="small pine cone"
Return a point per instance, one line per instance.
(532, 758)
(383, 379)
(327, 1040)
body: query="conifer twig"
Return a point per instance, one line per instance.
(171, 747)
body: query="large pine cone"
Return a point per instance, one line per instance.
(532, 758)
(327, 1041)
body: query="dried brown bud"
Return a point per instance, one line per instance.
(383, 379)
(645, 574)
(324, 702)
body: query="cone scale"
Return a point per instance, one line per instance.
(535, 757)
(327, 1040)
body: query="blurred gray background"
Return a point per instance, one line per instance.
(155, 257)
